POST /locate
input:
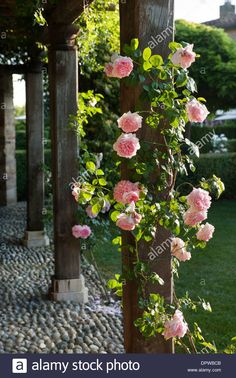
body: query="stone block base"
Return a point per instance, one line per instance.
(69, 290)
(35, 239)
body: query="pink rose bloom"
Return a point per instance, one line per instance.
(128, 222)
(108, 69)
(90, 212)
(176, 327)
(126, 191)
(199, 199)
(184, 56)
(196, 111)
(119, 67)
(178, 250)
(192, 217)
(122, 67)
(130, 122)
(131, 197)
(126, 145)
(79, 231)
(75, 192)
(205, 232)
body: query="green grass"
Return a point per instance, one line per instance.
(210, 274)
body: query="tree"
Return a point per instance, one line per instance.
(215, 72)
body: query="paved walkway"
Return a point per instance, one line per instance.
(31, 323)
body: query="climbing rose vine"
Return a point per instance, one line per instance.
(138, 205)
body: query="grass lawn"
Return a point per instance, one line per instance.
(210, 274)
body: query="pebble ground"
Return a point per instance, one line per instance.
(29, 322)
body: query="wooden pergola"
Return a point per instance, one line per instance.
(141, 19)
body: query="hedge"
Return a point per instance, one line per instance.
(231, 145)
(22, 172)
(198, 132)
(222, 165)
(20, 140)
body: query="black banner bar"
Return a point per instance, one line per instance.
(114, 365)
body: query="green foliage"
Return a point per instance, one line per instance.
(98, 38)
(21, 167)
(152, 318)
(215, 72)
(199, 133)
(223, 165)
(87, 108)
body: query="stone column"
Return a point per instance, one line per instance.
(68, 283)
(35, 235)
(8, 192)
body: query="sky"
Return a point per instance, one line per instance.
(190, 10)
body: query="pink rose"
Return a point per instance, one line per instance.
(75, 192)
(90, 212)
(178, 250)
(130, 122)
(128, 222)
(176, 327)
(199, 199)
(192, 217)
(122, 67)
(126, 192)
(205, 232)
(196, 111)
(79, 231)
(184, 56)
(119, 67)
(126, 145)
(108, 69)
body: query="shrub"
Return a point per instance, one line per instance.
(198, 132)
(222, 165)
(231, 145)
(20, 140)
(21, 165)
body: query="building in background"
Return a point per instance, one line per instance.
(227, 20)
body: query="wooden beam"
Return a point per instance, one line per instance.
(35, 236)
(8, 193)
(66, 12)
(145, 19)
(63, 79)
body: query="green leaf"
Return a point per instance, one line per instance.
(90, 166)
(156, 278)
(96, 208)
(134, 43)
(99, 172)
(147, 53)
(119, 292)
(156, 60)
(191, 85)
(112, 284)
(181, 79)
(146, 66)
(114, 215)
(117, 240)
(174, 46)
(102, 181)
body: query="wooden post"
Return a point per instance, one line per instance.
(8, 194)
(68, 283)
(35, 235)
(151, 21)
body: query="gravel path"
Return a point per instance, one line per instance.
(31, 323)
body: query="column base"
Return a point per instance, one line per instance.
(69, 290)
(35, 239)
